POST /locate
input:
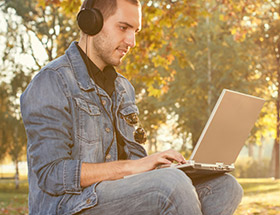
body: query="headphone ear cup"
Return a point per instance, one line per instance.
(90, 21)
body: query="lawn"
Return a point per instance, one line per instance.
(261, 197)
(12, 201)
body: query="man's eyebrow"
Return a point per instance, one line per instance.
(130, 26)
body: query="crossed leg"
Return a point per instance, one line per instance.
(166, 192)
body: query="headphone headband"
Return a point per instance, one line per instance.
(89, 4)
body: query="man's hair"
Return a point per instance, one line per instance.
(109, 7)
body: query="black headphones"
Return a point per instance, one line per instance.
(90, 20)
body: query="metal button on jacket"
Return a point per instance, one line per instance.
(108, 156)
(107, 130)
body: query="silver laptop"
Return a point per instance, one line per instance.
(224, 134)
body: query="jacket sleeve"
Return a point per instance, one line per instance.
(48, 124)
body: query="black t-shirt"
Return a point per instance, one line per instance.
(106, 80)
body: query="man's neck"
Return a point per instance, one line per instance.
(90, 53)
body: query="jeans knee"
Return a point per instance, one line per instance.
(173, 178)
(177, 192)
(234, 183)
(220, 195)
(172, 182)
(235, 188)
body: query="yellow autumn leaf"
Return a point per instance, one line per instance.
(233, 31)
(153, 91)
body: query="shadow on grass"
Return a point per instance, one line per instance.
(257, 208)
(252, 187)
(9, 186)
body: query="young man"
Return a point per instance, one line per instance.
(79, 116)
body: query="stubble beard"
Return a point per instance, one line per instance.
(105, 51)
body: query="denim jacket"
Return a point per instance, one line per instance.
(66, 125)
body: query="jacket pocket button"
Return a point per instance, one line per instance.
(107, 130)
(108, 157)
(88, 201)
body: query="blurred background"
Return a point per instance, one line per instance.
(186, 53)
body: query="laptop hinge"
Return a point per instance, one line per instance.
(191, 162)
(222, 165)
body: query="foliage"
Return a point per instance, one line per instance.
(250, 168)
(54, 30)
(148, 64)
(13, 81)
(186, 53)
(213, 61)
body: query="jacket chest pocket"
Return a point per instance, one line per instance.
(128, 119)
(88, 126)
(88, 122)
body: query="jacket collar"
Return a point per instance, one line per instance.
(81, 72)
(79, 68)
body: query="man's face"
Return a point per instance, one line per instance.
(117, 35)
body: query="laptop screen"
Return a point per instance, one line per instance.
(227, 128)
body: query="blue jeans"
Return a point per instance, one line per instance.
(168, 192)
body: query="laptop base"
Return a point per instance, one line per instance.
(198, 170)
(202, 173)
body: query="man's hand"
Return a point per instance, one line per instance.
(153, 161)
(94, 172)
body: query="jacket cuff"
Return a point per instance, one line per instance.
(71, 176)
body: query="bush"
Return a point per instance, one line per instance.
(251, 168)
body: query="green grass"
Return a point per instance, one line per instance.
(13, 201)
(261, 197)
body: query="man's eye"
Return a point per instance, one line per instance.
(123, 28)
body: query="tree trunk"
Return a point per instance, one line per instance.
(152, 143)
(277, 172)
(209, 66)
(272, 163)
(275, 159)
(276, 143)
(260, 152)
(251, 150)
(17, 175)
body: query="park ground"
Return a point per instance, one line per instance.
(261, 197)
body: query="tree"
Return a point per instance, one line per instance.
(29, 21)
(14, 80)
(4, 114)
(258, 20)
(213, 60)
(269, 48)
(54, 30)
(200, 46)
(147, 64)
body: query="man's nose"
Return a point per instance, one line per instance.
(130, 39)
